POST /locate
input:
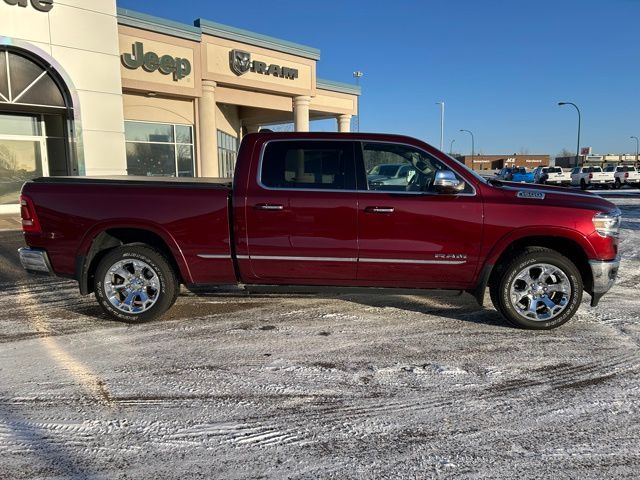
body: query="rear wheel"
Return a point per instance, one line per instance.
(617, 184)
(539, 289)
(135, 283)
(583, 184)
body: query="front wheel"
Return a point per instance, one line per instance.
(539, 289)
(135, 283)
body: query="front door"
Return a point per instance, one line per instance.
(301, 217)
(22, 156)
(409, 235)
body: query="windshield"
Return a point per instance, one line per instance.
(384, 170)
(610, 169)
(555, 170)
(596, 169)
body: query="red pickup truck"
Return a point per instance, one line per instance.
(302, 214)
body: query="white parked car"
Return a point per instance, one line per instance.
(586, 177)
(625, 175)
(552, 176)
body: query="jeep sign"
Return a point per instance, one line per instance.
(151, 61)
(40, 5)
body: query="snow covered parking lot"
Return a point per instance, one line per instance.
(359, 386)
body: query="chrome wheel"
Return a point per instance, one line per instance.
(132, 286)
(540, 292)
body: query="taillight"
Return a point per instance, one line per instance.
(590, 176)
(30, 221)
(626, 174)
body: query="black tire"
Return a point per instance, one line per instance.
(168, 290)
(617, 185)
(501, 287)
(583, 184)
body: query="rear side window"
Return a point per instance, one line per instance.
(310, 165)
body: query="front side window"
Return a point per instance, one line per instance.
(407, 168)
(159, 149)
(308, 165)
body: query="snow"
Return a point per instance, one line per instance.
(299, 386)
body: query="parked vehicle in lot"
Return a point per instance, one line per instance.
(586, 177)
(625, 175)
(516, 174)
(390, 174)
(302, 216)
(552, 176)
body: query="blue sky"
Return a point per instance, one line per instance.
(500, 66)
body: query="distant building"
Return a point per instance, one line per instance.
(599, 160)
(495, 162)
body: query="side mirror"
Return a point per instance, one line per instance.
(447, 182)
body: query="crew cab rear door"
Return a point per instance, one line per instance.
(409, 235)
(301, 213)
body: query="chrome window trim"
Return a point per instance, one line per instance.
(388, 192)
(214, 257)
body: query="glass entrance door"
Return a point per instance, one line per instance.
(23, 156)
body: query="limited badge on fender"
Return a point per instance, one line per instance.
(529, 194)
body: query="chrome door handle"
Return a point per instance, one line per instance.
(379, 209)
(269, 206)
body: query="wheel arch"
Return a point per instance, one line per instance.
(107, 237)
(567, 242)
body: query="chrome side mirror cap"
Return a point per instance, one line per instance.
(447, 182)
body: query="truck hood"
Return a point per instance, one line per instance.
(528, 194)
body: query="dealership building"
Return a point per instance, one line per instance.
(87, 88)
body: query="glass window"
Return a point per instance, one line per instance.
(4, 84)
(400, 168)
(28, 125)
(227, 154)
(20, 160)
(309, 165)
(148, 132)
(159, 149)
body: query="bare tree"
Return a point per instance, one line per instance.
(566, 153)
(8, 160)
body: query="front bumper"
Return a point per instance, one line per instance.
(35, 260)
(604, 275)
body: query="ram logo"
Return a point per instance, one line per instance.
(240, 61)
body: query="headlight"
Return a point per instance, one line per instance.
(607, 224)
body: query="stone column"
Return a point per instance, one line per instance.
(301, 113)
(208, 131)
(344, 123)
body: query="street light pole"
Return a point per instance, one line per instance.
(451, 147)
(441, 124)
(579, 121)
(473, 142)
(358, 75)
(637, 144)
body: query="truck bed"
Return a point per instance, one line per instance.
(189, 215)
